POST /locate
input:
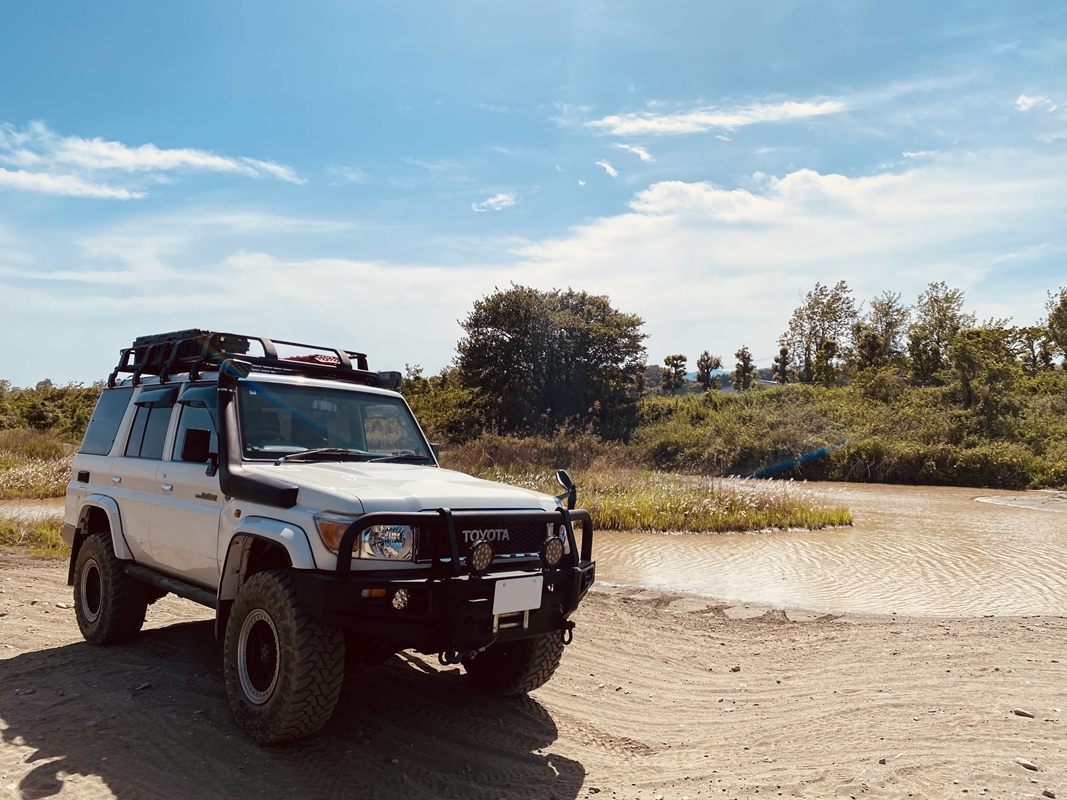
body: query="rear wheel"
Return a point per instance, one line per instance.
(516, 667)
(283, 670)
(109, 605)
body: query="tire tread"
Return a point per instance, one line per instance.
(310, 683)
(123, 600)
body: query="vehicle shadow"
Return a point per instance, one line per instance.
(150, 719)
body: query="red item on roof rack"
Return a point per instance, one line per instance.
(315, 358)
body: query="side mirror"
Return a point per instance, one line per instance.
(436, 450)
(571, 495)
(197, 446)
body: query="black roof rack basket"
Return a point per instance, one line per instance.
(194, 351)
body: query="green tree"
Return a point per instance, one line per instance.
(674, 369)
(871, 351)
(825, 371)
(782, 367)
(826, 314)
(744, 370)
(938, 317)
(1057, 321)
(706, 364)
(985, 376)
(1034, 347)
(888, 318)
(447, 410)
(544, 359)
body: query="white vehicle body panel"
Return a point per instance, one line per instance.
(185, 522)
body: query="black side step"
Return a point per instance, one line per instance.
(173, 585)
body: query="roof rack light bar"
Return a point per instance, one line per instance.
(194, 351)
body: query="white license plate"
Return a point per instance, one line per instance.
(517, 594)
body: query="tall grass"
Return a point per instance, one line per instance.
(39, 537)
(628, 499)
(33, 465)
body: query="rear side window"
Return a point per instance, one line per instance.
(194, 418)
(104, 425)
(149, 432)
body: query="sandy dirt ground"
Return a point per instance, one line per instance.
(660, 696)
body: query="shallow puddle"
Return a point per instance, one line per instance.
(912, 550)
(31, 509)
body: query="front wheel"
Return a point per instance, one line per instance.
(283, 670)
(517, 667)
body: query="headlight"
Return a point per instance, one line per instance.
(383, 542)
(392, 542)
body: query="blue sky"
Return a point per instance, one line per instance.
(358, 174)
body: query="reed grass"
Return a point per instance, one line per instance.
(34, 465)
(38, 537)
(33, 478)
(640, 500)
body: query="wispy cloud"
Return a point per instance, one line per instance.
(348, 174)
(699, 120)
(65, 185)
(608, 168)
(496, 203)
(77, 167)
(637, 150)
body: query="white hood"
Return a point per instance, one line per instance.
(401, 487)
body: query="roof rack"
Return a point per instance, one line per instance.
(194, 351)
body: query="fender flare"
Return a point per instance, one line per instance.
(291, 537)
(114, 518)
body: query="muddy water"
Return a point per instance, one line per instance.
(912, 550)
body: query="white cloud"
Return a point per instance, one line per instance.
(581, 183)
(638, 151)
(704, 119)
(496, 202)
(1024, 103)
(706, 266)
(66, 185)
(74, 166)
(709, 266)
(608, 168)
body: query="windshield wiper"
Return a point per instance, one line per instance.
(321, 451)
(399, 457)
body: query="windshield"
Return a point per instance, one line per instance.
(282, 419)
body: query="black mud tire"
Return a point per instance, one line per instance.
(516, 667)
(283, 670)
(110, 605)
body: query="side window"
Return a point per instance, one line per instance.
(104, 425)
(149, 432)
(195, 418)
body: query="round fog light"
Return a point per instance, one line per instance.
(481, 556)
(400, 599)
(552, 552)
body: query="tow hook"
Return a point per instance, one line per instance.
(448, 658)
(567, 634)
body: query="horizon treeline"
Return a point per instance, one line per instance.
(883, 391)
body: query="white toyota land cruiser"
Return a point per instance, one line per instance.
(298, 497)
